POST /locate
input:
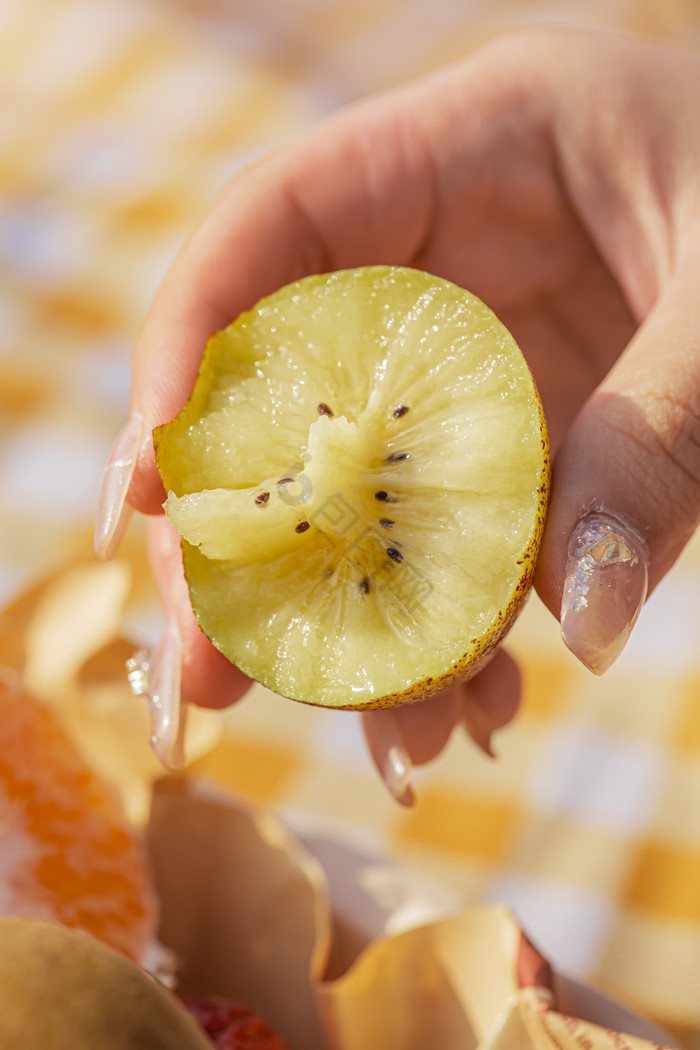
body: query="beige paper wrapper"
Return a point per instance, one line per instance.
(245, 907)
(469, 981)
(64, 637)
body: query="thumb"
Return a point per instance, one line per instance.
(626, 483)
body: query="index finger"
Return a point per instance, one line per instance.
(327, 201)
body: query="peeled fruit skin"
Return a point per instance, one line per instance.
(360, 480)
(62, 989)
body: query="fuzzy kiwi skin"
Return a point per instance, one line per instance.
(62, 989)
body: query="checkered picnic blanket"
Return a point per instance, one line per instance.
(120, 120)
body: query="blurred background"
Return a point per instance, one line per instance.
(120, 121)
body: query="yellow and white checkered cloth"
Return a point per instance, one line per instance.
(120, 120)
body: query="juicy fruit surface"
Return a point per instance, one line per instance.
(360, 480)
(66, 854)
(231, 1026)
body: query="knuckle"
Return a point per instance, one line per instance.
(673, 440)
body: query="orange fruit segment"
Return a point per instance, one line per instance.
(66, 853)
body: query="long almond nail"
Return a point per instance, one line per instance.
(389, 754)
(479, 732)
(113, 512)
(604, 590)
(156, 677)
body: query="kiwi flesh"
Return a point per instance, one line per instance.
(360, 479)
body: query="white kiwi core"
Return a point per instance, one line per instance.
(242, 526)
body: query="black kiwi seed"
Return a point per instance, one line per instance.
(262, 498)
(285, 481)
(323, 409)
(401, 411)
(395, 555)
(364, 585)
(388, 523)
(302, 526)
(381, 495)
(398, 457)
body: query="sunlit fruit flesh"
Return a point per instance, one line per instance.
(360, 479)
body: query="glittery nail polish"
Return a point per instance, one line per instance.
(604, 589)
(156, 677)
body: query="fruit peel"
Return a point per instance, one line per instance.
(71, 992)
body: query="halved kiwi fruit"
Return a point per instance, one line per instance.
(360, 478)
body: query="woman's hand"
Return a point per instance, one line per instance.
(554, 174)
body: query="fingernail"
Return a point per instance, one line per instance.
(389, 754)
(480, 734)
(604, 590)
(113, 512)
(156, 677)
